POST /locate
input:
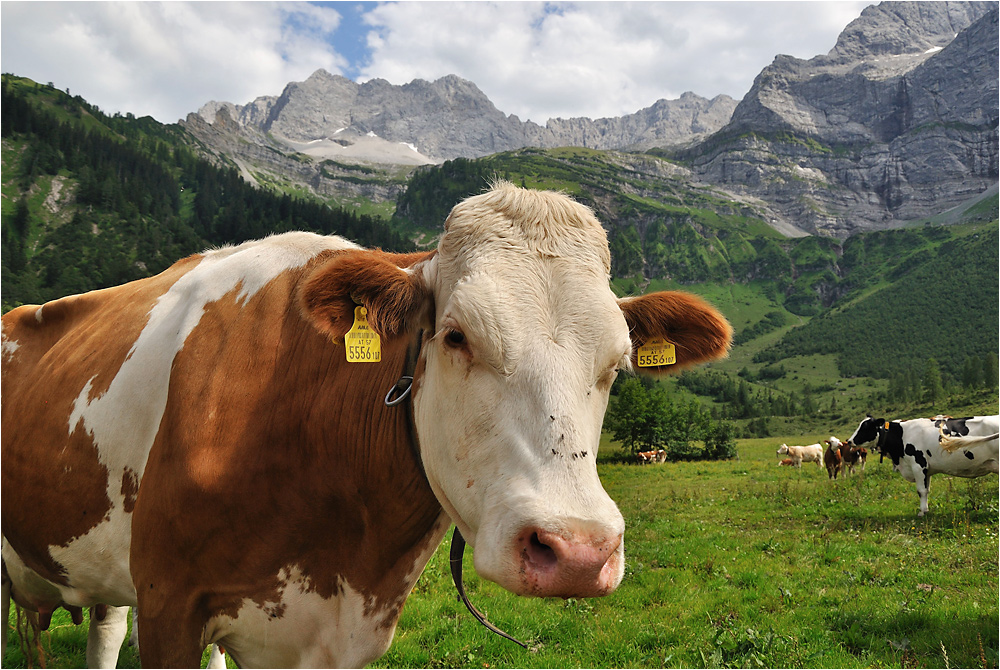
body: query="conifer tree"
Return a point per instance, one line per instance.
(933, 388)
(990, 371)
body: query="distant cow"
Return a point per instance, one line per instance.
(832, 457)
(809, 454)
(657, 456)
(853, 457)
(919, 448)
(841, 457)
(203, 445)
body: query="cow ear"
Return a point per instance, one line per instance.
(390, 286)
(697, 330)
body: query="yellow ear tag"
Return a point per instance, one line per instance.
(657, 352)
(362, 343)
(887, 425)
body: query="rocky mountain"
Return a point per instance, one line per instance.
(897, 122)
(345, 140)
(451, 118)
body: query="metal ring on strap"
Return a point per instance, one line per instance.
(399, 392)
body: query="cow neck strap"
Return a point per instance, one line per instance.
(400, 392)
(882, 432)
(455, 558)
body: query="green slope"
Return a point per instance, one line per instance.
(942, 304)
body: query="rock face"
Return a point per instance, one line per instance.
(897, 122)
(451, 118)
(666, 123)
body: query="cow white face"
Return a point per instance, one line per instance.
(510, 405)
(523, 339)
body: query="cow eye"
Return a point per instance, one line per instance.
(455, 338)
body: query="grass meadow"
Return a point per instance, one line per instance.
(731, 564)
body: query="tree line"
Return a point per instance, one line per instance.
(642, 417)
(928, 385)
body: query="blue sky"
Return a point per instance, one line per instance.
(534, 59)
(350, 38)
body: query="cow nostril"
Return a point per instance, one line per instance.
(539, 553)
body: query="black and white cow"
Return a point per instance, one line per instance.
(920, 448)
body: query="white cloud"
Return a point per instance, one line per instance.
(541, 60)
(537, 60)
(167, 59)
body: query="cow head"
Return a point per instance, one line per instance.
(523, 338)
(868, 431)
(783, 449)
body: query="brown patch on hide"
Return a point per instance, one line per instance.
(52, 483)
(130, 489)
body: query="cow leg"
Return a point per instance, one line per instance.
(923, 488)
(216, 659)
(108, 626)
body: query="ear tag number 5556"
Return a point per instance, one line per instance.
(656, 352)
(362, 343)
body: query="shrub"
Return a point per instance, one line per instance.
(644, 419)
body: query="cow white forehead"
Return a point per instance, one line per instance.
(516, 265)
(507, 225)
(504, 314)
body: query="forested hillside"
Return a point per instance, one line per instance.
(943, 298)
(91, 201)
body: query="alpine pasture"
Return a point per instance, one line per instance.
(736, 563)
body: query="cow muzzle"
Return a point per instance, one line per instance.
(569, 565)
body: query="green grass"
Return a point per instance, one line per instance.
(735, 564)
(743, 563)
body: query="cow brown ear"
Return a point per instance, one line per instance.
(698, 331)
(390, 286)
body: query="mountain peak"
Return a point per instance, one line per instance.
(897, 28)
(320, 75)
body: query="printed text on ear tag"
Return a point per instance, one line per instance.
(656, 352)
(362, 343)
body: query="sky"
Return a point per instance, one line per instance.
(538, 60)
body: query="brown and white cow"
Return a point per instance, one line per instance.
(654, 456)
(197, 444)
(833, 456)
